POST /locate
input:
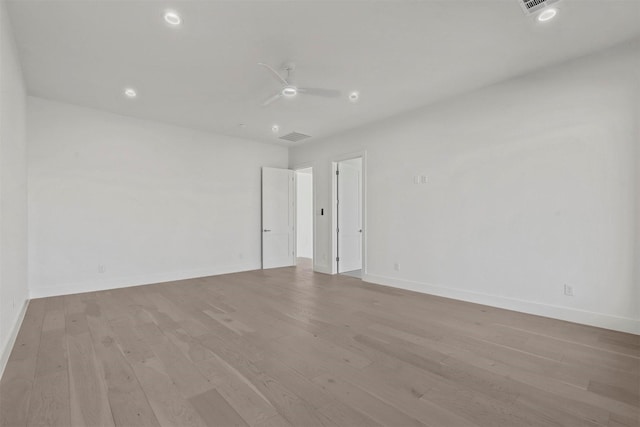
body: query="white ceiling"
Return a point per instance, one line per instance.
(398, 54)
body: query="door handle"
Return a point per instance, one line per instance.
(265, 230)
(360, 231)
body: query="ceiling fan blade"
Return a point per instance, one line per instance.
(329, 93)
(272, 99)
(275, 74)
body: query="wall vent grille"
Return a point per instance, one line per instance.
(295, 136)
(532, 6)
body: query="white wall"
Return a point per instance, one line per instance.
(13, 191)
(304, 214)
(532, 184)
(149, 202)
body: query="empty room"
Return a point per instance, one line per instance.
(320, 213)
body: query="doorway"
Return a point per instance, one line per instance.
(349, 209)
(304, 216)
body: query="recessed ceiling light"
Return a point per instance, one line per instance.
(547, 14)
(275, 128)
(172, 18)
(130, 93)
(290, 91)
(354, 96)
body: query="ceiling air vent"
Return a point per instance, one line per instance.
(532, 6)
(295, 137)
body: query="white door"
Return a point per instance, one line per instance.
(278, 218)
(349, 216)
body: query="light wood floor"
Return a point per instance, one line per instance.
(290, 347)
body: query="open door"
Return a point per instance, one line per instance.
(278, 218)
(349, 215)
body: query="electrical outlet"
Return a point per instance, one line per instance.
(396, 266)
(568, 290)
(101, 269)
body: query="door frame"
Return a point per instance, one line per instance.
(334, 208)
(295, 169)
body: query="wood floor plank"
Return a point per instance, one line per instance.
(169, 406)
(366, 403)
(228, 321)
(190, 347)
(182, 371)
(402, 386)
(344, 415)
(241, 394)
(127, 400)
(215, 410)
(87, 387)
(50, 403)
(632, 397)
(335, 408)
(295, 409)
(289, 347)
(134, 348)
(17, 382)
(273, 421)
(89, 403)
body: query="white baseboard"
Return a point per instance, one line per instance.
(128, 281)
(622, 324)
(8, 346)
(601, 320)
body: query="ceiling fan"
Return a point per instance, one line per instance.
(288, 89)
